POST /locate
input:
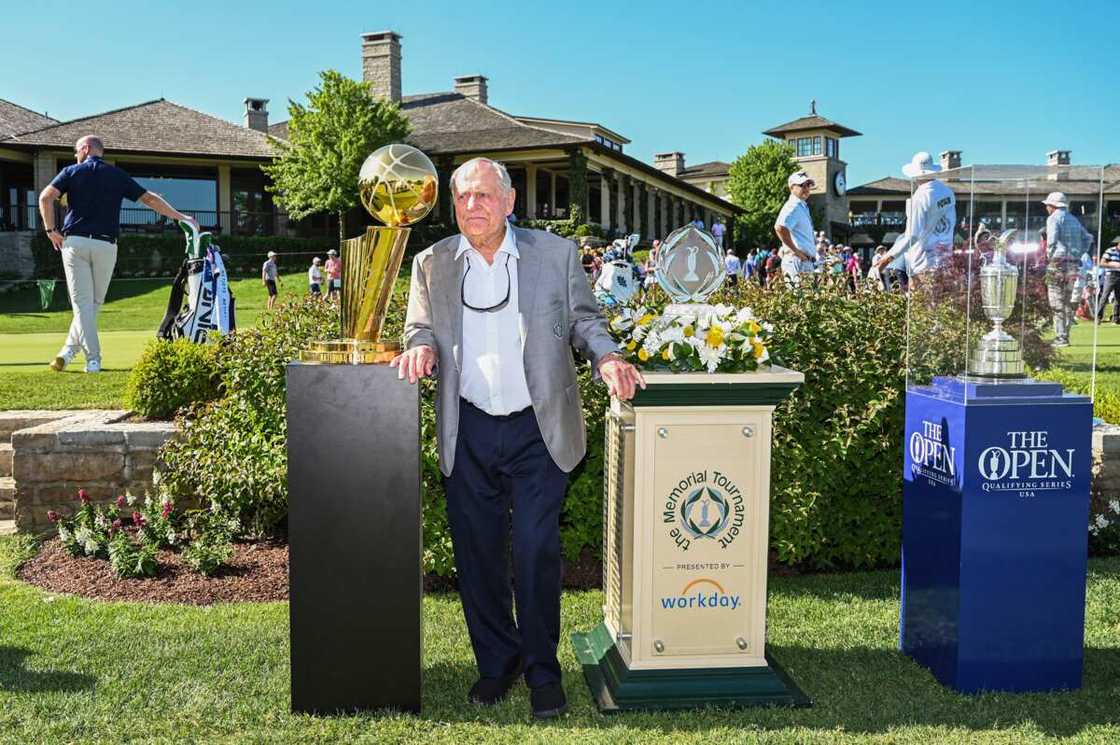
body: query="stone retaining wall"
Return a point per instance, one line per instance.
(1106, 462)
(94, 450)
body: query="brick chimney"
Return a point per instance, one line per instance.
(950, 159)
(381, 64)
(472, 86)
(1057, 158)
(256, 114)
(670, 163)
(1058, 163)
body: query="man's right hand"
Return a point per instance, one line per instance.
(56, 239)
(415, 363)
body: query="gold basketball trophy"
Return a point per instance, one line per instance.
(398, 187)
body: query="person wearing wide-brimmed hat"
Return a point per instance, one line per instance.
(1066, 240)
(931, 213)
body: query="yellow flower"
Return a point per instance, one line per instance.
(715, 336)
(631, 345)
(758, 348)
(665, 354)
(753, 328)
(644, 320)
(643, 355)
(688, 330)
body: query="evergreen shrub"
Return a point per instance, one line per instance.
(171, 375)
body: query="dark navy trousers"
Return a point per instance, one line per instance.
(504, 481)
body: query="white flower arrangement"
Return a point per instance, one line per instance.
(691, 338)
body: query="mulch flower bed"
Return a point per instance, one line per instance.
(257, 572)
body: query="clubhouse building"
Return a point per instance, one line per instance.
(562, 169)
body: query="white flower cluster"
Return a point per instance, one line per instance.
(699, 337)
(1101, 522)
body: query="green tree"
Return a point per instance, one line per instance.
(328, 139)
(758, 185)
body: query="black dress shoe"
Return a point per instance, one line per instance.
(489, 691)
(548, 701)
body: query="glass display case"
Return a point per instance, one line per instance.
(1001, 269)
(1000, 266)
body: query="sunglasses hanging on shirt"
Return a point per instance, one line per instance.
(485, 309)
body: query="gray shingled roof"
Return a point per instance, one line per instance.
(449, 123)
(709, 169)
(158, 126)
(15, 119)
(446, 123)
(813, 121)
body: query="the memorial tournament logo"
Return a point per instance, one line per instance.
(700, 595)
(704, 514)
(704, 506)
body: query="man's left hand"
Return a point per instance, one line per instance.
(622, 378)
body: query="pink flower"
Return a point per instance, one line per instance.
(84, 496)
(52, 516)
(136, 518)
(121, 502)
(166, 510)
(117, 524)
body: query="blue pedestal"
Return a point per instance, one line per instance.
(995, 531)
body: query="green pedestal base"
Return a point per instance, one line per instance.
(616, 688)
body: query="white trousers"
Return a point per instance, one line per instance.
(88, 264)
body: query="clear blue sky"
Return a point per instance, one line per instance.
(1002, 81)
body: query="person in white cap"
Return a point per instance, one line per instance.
(315, 277)
(931, 213)
(334, 273)
(270, 276)
(794, 228)
(1066, 240)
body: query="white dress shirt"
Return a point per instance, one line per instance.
(493, 375)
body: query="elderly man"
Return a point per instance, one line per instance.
(931, 214)
(497, 311)
(794, 228)
(88, 239)
(1066, 240)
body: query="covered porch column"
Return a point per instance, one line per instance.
(530, 191)
(225, 199)
(620, 203)
(605, 199)
(651, 213)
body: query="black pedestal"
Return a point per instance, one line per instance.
(355, 538)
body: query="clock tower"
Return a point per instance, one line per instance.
(816, 145)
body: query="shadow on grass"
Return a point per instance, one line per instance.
(864, 690)
(14, 676)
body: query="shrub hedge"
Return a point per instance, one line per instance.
(171, 375)
(161, 255)
(837, 445)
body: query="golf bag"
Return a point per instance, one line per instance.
(203, 279)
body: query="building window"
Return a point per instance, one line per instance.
(804, 147)
(832, 147)
(817, 145)
(197, 197)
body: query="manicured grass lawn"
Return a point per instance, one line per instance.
(131, 305)
(73, 670)
(29, 339)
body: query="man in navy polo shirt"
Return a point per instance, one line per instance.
(88, 239)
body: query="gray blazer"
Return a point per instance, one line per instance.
(557, 312)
